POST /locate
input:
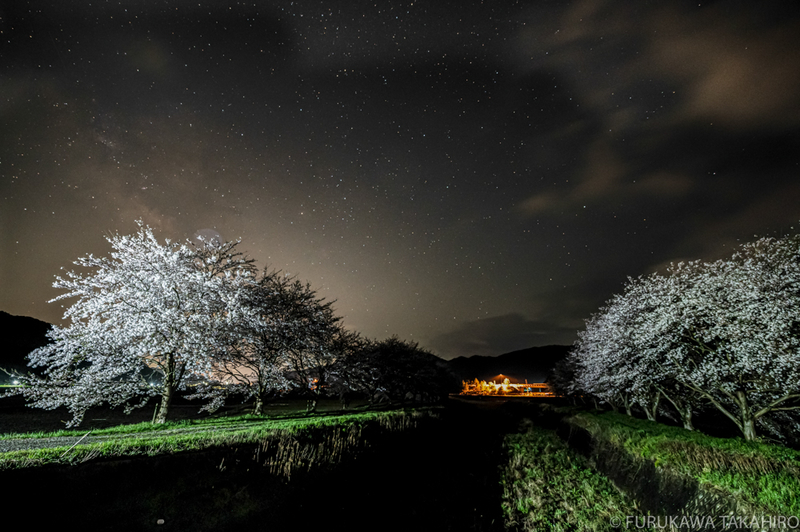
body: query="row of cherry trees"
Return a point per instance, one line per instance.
(724, 333)
(198, 315)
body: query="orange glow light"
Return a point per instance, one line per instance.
(506, 388)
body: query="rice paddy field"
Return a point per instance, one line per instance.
(148, 439)
(292, 470)
(764, 477)
(465, 465)
(548, 486)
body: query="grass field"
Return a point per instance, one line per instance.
(766, 476)
(547, 486)
(276, 413)
(172, 437)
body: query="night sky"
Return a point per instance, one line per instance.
(476, 176)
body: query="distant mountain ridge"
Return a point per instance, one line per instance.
(533, 364)
(19, 335)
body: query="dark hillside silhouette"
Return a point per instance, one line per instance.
(533, 364)
(19, 335)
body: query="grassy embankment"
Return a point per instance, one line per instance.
(547, 486)
(288, 438)
(766, 476)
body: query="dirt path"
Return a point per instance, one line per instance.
(18, 418)
(15, 444)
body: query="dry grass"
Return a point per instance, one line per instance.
(547, 486)
(763, 475)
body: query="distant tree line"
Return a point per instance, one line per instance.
(724, 334)
(154, 319)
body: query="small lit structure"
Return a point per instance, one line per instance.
(506, 388)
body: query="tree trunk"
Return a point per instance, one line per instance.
(749, 429)
(684, 408)
(166, 399)
(748, 421)
(311, 406)
(169, 389)
(651, 410)
(613, 404)
(261, 390)
(626, 401)
(686, 417)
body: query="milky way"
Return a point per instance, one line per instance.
(476, 176)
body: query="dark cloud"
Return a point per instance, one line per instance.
(693, 124)
(424, 164)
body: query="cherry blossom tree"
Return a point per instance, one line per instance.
(656, 296)
(726, 332)
(279, 336)
(397, 368)
(562, 378)
(147, 306)
(608, 357)
(312, 355)
(736, 331)
(277, 328)
(599, 358)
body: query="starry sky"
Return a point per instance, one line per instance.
(477, 176)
